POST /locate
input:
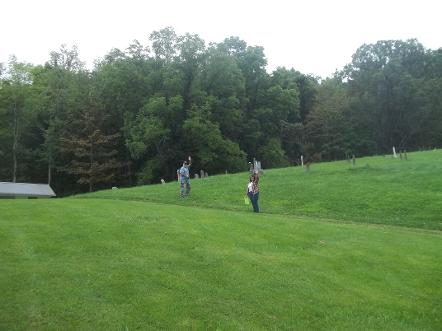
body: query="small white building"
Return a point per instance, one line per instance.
(25, 190)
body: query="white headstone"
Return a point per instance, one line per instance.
(302, 161)
(394, 152)
(255, 166)
(163, 181)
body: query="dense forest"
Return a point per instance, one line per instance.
(133, 117)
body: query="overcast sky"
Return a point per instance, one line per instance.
(315, 36)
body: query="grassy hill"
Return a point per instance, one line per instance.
(380, 190)
(317, 259)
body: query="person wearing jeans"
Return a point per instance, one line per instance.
(253, 192)
(184, 176)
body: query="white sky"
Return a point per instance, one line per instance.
(315, 36)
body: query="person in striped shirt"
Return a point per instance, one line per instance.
(253, 191)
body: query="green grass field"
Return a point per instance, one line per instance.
(317, 258)
(380, 190)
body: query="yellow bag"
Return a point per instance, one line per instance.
(246, 200)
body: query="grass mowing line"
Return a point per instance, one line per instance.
(208, 206)
(305, 218)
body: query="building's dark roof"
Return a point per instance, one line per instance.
(25, 190)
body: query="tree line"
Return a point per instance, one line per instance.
(138, 112)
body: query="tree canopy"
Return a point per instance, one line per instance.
(139, 112)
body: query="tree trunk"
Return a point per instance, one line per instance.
(91, 173)
(14, 166)
(49, 173)
(14, 146)
(129, 173)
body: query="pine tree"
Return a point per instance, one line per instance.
(92, 152)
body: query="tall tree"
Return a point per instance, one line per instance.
(164, 44)
(15, 110)
(327, 127)
(90, 148)
(210, 150)
(152, 137)
(223, 88)
(191, 51)
(383, 81)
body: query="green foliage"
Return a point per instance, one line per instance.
(164, 43)
(273, 155)
(208, 148)
(150, 137)
(385, 82)
(328, 127)
(221, 76)
(150, 170)
(147, 131)
(153, 96)
(17, 117)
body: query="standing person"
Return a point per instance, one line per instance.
(253, 192)
(249, 190)
(184, 176)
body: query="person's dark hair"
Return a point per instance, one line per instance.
(252, 178)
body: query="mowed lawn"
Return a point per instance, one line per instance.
(379, 190)
(102, 264)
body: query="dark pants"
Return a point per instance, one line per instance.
(254, 199)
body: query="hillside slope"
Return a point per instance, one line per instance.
(380, 190)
